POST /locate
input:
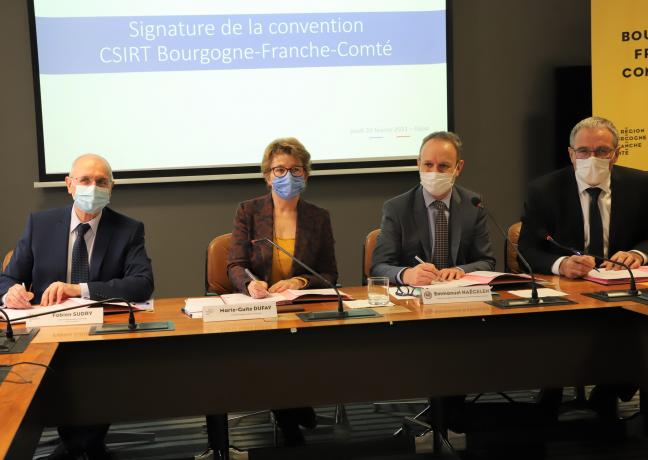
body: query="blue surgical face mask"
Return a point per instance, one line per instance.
(288, 186)
(90, 198)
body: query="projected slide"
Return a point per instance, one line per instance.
(165, 85)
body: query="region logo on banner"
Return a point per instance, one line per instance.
(620, 74)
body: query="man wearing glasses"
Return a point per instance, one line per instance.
(83, 250)
(596, 208)
(591, 206)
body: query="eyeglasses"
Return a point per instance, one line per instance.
(280, 171)
(405, 291)
(102, 182)
(583, 153)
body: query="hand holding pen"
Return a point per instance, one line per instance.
(258, 289)
(422, 274)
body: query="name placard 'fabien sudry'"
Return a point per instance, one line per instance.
(69, 317)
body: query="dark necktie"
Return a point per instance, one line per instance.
(441, 243)
(80, 268)
(595, 223)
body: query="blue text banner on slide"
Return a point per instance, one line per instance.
(189, 87)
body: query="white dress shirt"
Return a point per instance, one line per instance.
(605, 205)
(428, 199)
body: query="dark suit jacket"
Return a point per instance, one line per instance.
(314, 243)
(119, 266)
(553, 206)
(405, 233)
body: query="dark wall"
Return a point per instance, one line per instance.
(505, 54)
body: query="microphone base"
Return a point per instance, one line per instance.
(19, 342)
(139, 327)
(619, 296)
(335, 315)
(526, 303)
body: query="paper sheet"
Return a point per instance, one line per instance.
(542, 292)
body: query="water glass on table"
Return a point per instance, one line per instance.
(378, 290)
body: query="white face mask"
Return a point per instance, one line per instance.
(437, 184)
(593, 171)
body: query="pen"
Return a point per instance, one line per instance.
(419, 260)
(251, 275)
(578, 253)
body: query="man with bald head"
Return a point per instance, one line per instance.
(54, 263)
(82, 250)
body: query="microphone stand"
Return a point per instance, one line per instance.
(607, 296)
(535, 300)
(340, 313)
(132, 325)
(15, 342)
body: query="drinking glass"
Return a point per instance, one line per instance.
(378, 290)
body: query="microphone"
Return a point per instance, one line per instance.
(340, 313)
(535, 299)
(7, 341)
(632, 292)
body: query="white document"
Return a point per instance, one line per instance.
(617, 274)
(542, 292)
(147, 305)
(243, 299)
(194, 306)
(365, 304)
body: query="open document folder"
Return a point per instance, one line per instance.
(603, 276)
(486, 278)
(194, 306)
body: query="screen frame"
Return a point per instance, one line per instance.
(204, 174)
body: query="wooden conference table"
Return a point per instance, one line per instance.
(410, 351)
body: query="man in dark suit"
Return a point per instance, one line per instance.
(84, 250)
(434, 232)
(594, 207)
(435, 222)
(115, 261)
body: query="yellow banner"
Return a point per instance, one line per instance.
(620, 74)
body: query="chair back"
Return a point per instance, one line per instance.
(510, 249)
(216, 279)
(6, 260)
(367, 254)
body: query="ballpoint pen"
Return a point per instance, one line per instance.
(419, 260)
(251, 275)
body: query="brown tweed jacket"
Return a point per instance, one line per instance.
(314, 243)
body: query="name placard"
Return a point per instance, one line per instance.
(68, 318)
(447, 294)
(248, 310)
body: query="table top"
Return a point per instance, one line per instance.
(15, 398)
(19, 388)
(404, 310)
